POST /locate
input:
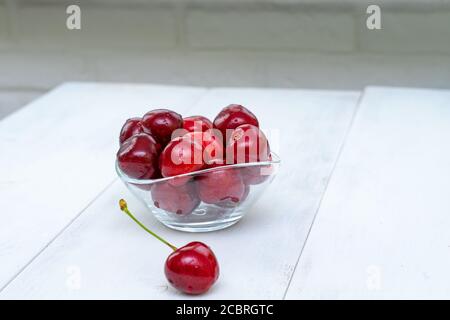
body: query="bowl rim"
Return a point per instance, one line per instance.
(275, 160)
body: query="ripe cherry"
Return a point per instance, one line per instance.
(160, 123)
(232, 117)
(192, 269)
(138, 157)
(181, 155)
(197, 123)
(131, 127)
(247, 144)
(212, 145)
(257, 174)
(232, 204)
(221, 186)
(181, 199)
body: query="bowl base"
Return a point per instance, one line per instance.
(202, 226)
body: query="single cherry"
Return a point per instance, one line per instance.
(192, 269)
(221, 186)
(138, 157)
(181, 155)
(212, 145)
(233, 204)
(160, 123)
(181, 199)
(131, 127)
(257, 174)
(197, 123)
(232, 117)
(247, 144)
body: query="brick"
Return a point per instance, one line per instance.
(355, 71)
(415, 32)
(270, 29)
(101, 26)
(42, 70)
(3, 25)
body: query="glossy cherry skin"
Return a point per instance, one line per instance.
(131, 127)
(221, 186)
(255, 175)
(192, 269)
(181, 200)
(181, 155)
(212, 146)
(232, 117)
(247, 144)
(232, 204)
(197, 123)
(160, 123)
(138, 157)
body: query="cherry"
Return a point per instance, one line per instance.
(232, 117)
(257, 174)
(181, 200)
(138, 157)
(181, 155)
(192, 269)
(212, 145)
(160, 123)
(197, 123)
(232, 204)
(221, 186)
(131, 127)
(247, 144)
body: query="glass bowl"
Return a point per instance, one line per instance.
(205, 200)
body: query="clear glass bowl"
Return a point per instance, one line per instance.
(205, 200)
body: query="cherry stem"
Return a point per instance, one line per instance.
(124, 207)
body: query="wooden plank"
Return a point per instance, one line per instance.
(58, 155)
(383, 227)
(115, 259)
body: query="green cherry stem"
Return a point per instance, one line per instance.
(124, 207)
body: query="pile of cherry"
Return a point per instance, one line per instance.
(163, 144)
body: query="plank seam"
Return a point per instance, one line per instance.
(77, 216)
(341, 148)
(15, 276)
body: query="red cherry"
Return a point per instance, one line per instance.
(247, 144)
(181, 155)
(232, 204)
(138, 157)
(232, 117)
(221, 186)
(193, 268)
(160, 123)
(213, 152)
(176, 199)
(197, 123)
(257, 174)
(131, 127)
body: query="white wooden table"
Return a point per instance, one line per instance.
(360, 208)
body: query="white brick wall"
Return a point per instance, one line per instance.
(102, 27)
(269, 29)
(411, 32)
(3, 25)
(279, 43)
